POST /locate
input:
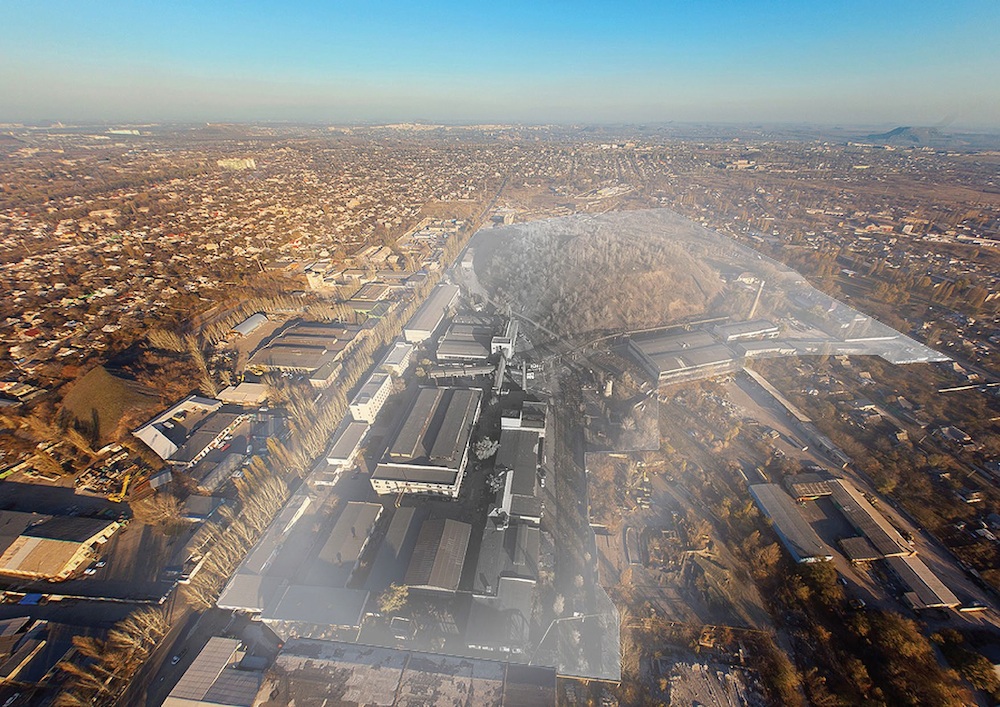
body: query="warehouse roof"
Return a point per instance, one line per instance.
(864, 516)
(312, 611)
(342, 549)
(394, 553)
(436, 429)
(926, 589)
(859, 549)
(250, 324)
(439, 555)
(795, 533)
(166, 432)
(465, 342)
(365, 675)
(808, 485)
(518, 454)
(506, 552)
(346, 440)
(431, 312)
(213, 678)
(737, 330)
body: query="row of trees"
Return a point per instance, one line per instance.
(224, 544)
(106, 666)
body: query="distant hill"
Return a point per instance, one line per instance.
(102, 400)
(917, 137)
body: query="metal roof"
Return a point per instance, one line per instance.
(431, 312)
(318, 608)
(396, 548)
(864, 516)
(928, 590)
(342, 549)
(212, 679)
(795, 533)
(439, 555)
(248, 325)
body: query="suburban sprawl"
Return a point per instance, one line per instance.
(498, 415)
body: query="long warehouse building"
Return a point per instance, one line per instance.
(431, 313)
(867, 520)
(798, 537)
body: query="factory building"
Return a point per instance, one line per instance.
(298, 587)
(168, 431)
(746, 331)
(371, 397)
(430, 449)
(346, 442)
(39, 547)
(924, 589)
(798, 537)
(430, 314)
(465, 342)
(309, 348)
(867, 520)
(216, 678)
(503, 590)
(398, 358)
(518, 459)
(687, 356)
(439, 555)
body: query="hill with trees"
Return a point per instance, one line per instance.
(575, 276)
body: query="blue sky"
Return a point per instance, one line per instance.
(875, 62)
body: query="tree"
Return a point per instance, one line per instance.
(393, 599)
(485, 448)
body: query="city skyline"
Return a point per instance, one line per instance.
(842, 62)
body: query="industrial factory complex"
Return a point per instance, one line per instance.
(423, 516)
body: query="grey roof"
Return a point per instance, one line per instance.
(415, 474)
(518, 454)
(13, 523)
(755, 327)
(319, 607)
(306, 346)
(465, 342)
(864, 516)
(502, 620)
(928, 590)
(68, 529)
(248, 325)
(365, 675)
(399, 351)
(342, 549)
(509, 552)
(673, 353)
(250, 592)
(212, 679)
(434, 433)
(439, 555)
(409, 440)
(394, 552)
(370, 387)
(859, 549)
(453, 434)
(346, 439)
(431, 312)
(808, 485)
(795, 533)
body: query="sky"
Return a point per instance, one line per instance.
(879, 62)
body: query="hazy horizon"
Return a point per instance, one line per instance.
(839, 63)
